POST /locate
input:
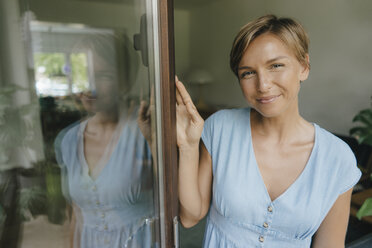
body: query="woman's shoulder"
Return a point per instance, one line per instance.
(229, 114)
(337, 160)
(70, 133)
(66, 141)
(333, 145)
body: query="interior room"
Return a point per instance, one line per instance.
(338, 86)
(51, 54)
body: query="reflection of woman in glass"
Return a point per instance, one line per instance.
(267, 177)
(107, 164)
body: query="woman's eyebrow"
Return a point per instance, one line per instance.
(276, 58)
(244, 67)
(267, 62)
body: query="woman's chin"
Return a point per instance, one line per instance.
(267, 112)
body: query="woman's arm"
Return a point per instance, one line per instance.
(332, 231)
(195, 183)
(195, 166)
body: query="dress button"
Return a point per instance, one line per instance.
(105, 227)
(107, 241)
(270, 209)
(265, 225)
(261, 239)
(94, 188)
(103, 215)
(97, 202)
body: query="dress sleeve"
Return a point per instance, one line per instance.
(349, 173)
(63, 142)
(61, 145)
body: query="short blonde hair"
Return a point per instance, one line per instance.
(288, 30)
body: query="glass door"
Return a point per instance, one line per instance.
(84, 102)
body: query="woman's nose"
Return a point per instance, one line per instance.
(263, 83)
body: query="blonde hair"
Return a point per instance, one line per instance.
(286, 29)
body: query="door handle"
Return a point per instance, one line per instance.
(140, 41)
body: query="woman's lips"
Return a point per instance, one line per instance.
(267, 99)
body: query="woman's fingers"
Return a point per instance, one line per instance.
(152, 104)
(183, 93)
(142, 110)
(193, 112)
(183, 98)
(178, 97)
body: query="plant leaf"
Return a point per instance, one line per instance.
(362, 134)
(365, 209)
(356, 130)
(364, 116)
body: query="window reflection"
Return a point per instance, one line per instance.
(76, 158)
(58, 74)
(106, 161)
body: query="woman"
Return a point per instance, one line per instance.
(106, 163)
(267, 177)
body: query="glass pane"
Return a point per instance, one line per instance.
(77, 125)
(58, 74)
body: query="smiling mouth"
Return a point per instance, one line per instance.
(268, 99)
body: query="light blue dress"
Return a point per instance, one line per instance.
(242, 213)
(114, 205)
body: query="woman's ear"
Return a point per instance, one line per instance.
(305, 69)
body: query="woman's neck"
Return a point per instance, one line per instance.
(284, 128)
(102, 122)
(106, 118)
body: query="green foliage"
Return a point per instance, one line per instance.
(366, 209)
(32, 200)
(363, 133)
(15, 126)
(16, 131)
(55, 199)
(52, 62)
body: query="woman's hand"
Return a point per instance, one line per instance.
(189, 122)
(144, 120)
(146, 111)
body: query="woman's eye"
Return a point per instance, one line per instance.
(275, 66)
(247, 74)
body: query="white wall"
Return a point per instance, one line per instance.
(341, 58)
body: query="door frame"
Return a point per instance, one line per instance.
(169, 135)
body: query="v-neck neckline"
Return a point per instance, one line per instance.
(101, 163)
(299, 177)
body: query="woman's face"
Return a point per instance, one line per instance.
(270, 75)
(106, 85)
